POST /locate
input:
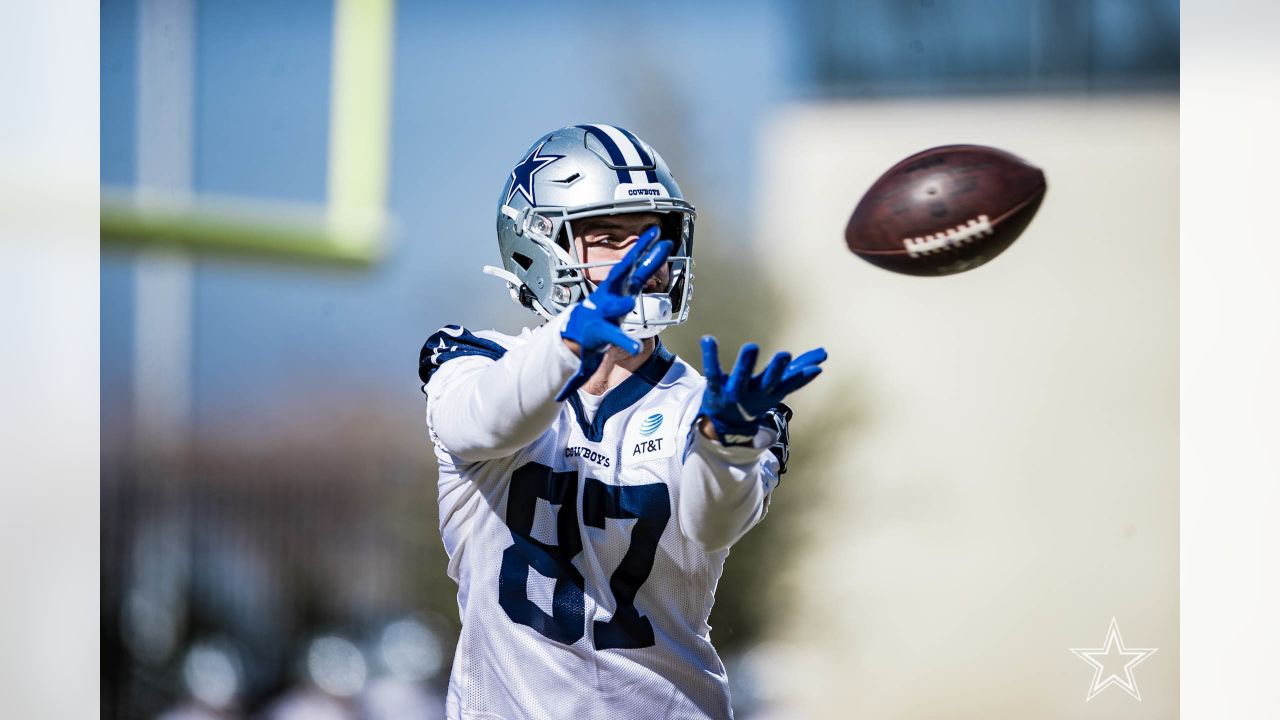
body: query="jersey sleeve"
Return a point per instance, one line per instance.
(487, 401)
(725, 489)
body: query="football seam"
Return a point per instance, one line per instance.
(994, 225)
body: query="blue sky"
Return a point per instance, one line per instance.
(472, 90)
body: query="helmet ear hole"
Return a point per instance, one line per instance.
(522, 260)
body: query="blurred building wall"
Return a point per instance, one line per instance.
(878, 48)
(1011, 482)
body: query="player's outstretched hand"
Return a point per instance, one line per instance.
(735, 404)
(594, 324)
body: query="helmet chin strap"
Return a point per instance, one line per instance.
(650, 308)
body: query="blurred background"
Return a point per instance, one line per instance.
(295, 194)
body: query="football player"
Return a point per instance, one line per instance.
(591, 482)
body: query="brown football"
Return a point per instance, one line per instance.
(945, 210)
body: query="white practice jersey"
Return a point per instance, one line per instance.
(586, 537)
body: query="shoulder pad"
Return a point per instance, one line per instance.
(451, 342)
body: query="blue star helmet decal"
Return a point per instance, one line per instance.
(522, 174)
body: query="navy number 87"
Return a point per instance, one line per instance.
(649, 505)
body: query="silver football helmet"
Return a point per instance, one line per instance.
(579, 172)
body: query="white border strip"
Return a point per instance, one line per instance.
(1230, 499)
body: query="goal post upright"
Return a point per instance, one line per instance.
(350, 228)
(165, 223)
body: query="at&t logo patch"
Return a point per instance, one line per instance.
(651, 424)
(650, 436)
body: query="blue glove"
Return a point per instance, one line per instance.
(736, 405)
(595, 322)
